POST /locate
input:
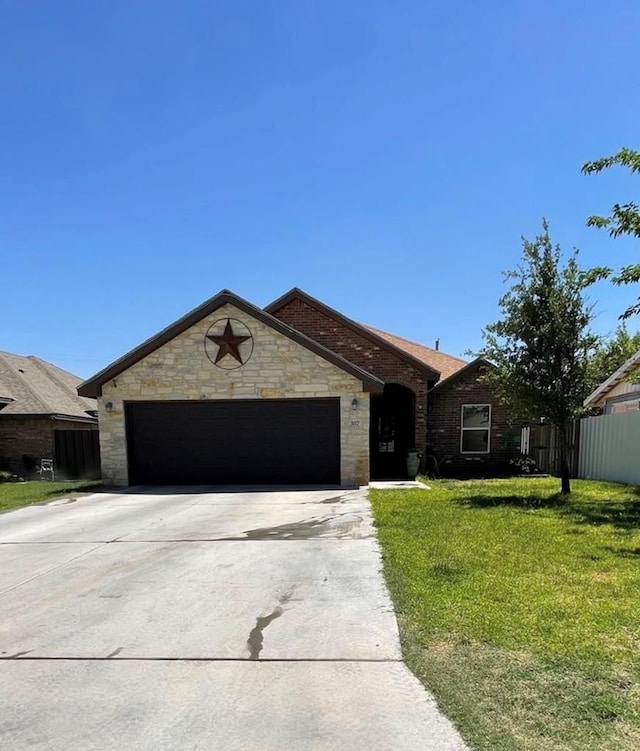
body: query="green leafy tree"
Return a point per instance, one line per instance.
(624, 220)
(542, 344)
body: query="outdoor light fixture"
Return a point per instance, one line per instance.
(354, 404)
(108, 406)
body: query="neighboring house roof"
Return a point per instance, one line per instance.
(435, 362)
(597, 398)
(458, 373)
(446, 364)
(31, 386)
(93, 386)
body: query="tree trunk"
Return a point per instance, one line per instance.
(563, 445)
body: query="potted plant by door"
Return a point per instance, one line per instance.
(413, 462)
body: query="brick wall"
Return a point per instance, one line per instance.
(444, 424)
(31, 437)
(361, 351)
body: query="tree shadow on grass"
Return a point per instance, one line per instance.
(624, 552)
(479, 501)
(621, 514)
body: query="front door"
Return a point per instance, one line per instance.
(392, 432)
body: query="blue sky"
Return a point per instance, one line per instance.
(384, 156)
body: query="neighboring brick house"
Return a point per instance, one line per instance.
(39, 411)
(294, 393)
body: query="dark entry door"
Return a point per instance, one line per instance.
(392, 432)
(247, 442)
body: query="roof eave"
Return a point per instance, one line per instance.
(449, 379)
(92, 387)
(598, 396)
(89, 419)
(47, 416)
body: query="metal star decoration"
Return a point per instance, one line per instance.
(228, 343)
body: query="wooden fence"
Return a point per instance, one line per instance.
(545, 450)
(77, 454)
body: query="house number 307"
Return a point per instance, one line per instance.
(355, 423)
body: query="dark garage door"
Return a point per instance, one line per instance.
(266, 441)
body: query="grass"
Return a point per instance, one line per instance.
(16, 494)
(520, 609)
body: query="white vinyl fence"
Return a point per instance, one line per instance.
(610, 448)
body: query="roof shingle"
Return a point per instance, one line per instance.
(37, 387)
(446, 364)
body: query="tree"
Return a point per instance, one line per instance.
(542, 344)
(624, 220)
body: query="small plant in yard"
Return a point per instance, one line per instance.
(518, 608)
(525, 465)
(6, 476)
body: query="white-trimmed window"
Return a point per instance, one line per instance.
(475, 429)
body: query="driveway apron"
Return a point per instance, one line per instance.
(202, 618)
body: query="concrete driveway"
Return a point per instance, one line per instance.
(171, 619)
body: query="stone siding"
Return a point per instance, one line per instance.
(278, 368)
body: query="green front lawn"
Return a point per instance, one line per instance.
(16, 494)
(519, 610)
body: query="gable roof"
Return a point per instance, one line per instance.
(446, 364)
(454, 376)
(31, 386)
(596, 399)
(93, 386)
(434, 362)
